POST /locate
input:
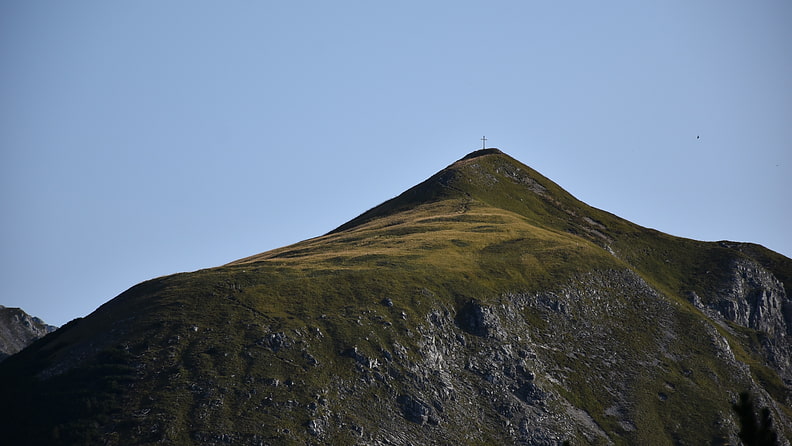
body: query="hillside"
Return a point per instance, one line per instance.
(18, 329)
(485, 305)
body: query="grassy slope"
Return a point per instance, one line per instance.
(485, 226)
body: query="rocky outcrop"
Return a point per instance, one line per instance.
(18, 329)
(754, 298)
(478, 320)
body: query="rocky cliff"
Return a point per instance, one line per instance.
(752, 297)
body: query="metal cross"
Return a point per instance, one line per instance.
(483, 142)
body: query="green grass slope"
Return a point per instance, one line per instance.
(486, 305)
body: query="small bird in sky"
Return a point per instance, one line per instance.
(698, 137)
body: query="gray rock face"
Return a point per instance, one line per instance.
(18, 329)
(521, 376)
(754, 298)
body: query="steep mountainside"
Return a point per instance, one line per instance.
(18, 329)
(485, 305)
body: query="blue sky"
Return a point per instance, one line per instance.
(139, 139)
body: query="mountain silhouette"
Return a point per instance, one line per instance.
(485, 305)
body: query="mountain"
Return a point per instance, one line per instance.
(18, 329)
(485, 305)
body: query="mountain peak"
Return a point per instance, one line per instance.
(482, 152)
(455, 181)
(485, 176)
(484, 305)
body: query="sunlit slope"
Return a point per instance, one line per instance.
(489, 203)
(486, 210)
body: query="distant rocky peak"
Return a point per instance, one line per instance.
(18, 330)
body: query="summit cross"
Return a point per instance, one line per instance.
(483, 142)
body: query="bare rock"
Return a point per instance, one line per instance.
(18, 330)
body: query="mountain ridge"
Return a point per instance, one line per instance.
(484, 305)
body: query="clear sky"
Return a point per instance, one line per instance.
(144, 138)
